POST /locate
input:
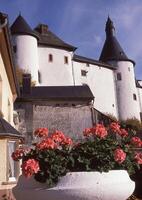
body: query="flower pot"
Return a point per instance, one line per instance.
(112, 185)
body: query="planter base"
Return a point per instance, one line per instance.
(113, 185)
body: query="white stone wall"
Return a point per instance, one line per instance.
(139, 90)
(27, 54)
(102, 84)
(55, 73)
(128, 107)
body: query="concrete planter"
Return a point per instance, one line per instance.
(113, 185)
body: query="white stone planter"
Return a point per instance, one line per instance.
(113, 185)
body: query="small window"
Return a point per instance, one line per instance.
(50, 58)
(39, 76)
(65, 59)
(15, 48)
(129, 69)
(119, 78)
(12, 165)
(87, 64)
(83, 73)
(134, 97)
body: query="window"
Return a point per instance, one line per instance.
(65, 59)
(129, 69)
(39, 76)
(134, 97)
(15, 48)
(50, 58)
(9, 111)
(119, 78)
(83, 73)
(12, 165)
(87, 64)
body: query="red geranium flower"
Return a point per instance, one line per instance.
(123, 133)
(115, 127)
(67, 141)
(136, 141)
(58, 136)
(18, 154)
(138, 158)
(119, 155)
(41, 132)
(30, 167)
(46, 144)
(100, 131)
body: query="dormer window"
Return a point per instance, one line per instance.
(83, 73)
(65, 59)
(50, 58)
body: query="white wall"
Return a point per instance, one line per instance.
(101, 83)
(27, 54)
(55, 73)
(128, 107)
(6, 98)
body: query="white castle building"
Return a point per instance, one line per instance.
(52, 62)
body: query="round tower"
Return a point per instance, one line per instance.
(124, 76)
(25, 47)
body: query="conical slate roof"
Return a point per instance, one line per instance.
(47, 38)
(20, 26)
(112, 49)
(7, 130)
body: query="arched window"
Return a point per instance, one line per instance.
(50, 58)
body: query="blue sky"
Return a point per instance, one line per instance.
(82, 23)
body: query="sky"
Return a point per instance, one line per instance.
(81, 23)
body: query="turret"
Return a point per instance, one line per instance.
(25, 47)
(126, 92)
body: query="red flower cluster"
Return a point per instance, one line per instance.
(99, 130)
(123, 133)
(18, 154)
(115, 127)
(46, 144)
(30, 167)
(41, 132)
(136, 141)
(138, 158)
(58, 136)
(119, 155)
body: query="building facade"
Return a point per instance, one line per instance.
(52, 62)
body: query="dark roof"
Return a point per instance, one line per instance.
(112, 49)
(20, 26)
(7, 130)
(76, 93)
(83, 59)
(47, 38)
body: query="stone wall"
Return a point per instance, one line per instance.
(70, 120)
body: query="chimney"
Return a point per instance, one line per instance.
(26, 83)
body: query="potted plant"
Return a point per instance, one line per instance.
(96, 167)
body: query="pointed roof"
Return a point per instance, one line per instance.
(20, 26)
(112, 49)
(7, 130)
(47, 38)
